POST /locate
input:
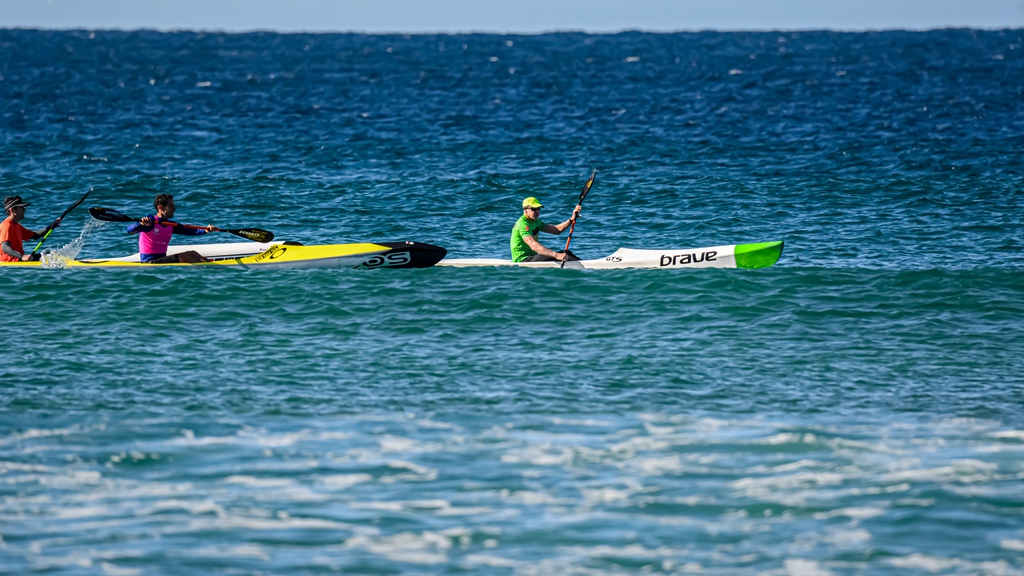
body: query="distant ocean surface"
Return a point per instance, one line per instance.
(857, 409)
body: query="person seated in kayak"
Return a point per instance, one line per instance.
(524, 244)
(155, 236)
(13, 234)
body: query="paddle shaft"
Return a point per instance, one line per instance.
(52, 226)
(572, 225)
(254, 234)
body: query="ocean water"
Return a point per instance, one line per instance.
(856, 409)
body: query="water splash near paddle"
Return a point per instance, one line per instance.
(63, 256)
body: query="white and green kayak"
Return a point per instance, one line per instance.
(759, 255)
(273, 255)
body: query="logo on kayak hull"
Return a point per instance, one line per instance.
(688, 258)
(388, 260)
(272, 253)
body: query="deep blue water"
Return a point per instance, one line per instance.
(856, 409)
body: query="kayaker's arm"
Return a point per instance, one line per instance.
(145, 225)
(190, 231)
(559, 228)
(42, 233)
(540, 249)
(6, 247)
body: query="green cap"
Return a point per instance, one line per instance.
(532, 202)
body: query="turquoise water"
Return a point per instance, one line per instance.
(856, 409)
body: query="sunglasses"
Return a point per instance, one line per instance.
(532, 208)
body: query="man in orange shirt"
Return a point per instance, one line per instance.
(12, 233)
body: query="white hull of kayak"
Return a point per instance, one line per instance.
(760, 255)
(212, 251)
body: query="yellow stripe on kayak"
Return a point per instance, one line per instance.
(277, 255)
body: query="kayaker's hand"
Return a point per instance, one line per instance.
(576, 210)
(212, 228)
(55, 223)
(561, 256)
(147, 221)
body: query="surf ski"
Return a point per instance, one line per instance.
(273, 255)
(750, 256)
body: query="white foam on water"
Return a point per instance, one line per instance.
(429, 424)
(592, 496)
(113, 570)
(629, 448)
(240, 551)
(195, 508)
(848, 538)
(436, 507)
(803, 567)
(655, 430)
(384, 506)
(766, 486)
(856, 513)
(1009, 434)
(6, 467)
(539, 456)
(939, 565)
(789, 466)
(84, 559)
(33, 433)
(188, 438)
(400, 444)
(342, 481)
(63, 256)
(786, 438)
(235, 522)
(260, 482)
(526, 497)
(69, 513)
(257, 438)
(414, 468)
(424, 548)
(491, 561)
(961, 471)
(624, 551)
(572, 560)
(919, 502)
(1015, 545)
(656, 466)
(562, 421)
(464, 511)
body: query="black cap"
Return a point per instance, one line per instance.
(13, 202)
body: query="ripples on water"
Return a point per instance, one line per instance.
(855, 409)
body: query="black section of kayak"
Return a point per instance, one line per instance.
(406, 255)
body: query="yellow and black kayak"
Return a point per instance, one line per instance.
(272, 255)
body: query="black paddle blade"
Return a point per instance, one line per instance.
(108, 215)
(586, 187)
(75, 205)
(254, 234)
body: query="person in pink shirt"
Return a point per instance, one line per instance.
(155, 233)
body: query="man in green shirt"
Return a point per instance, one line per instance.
(524, 244)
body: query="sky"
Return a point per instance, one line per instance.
(509, 16)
